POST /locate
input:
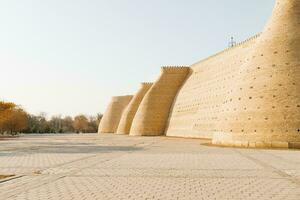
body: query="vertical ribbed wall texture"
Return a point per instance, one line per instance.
(131, 109)
(111, 118)
(152, 115)
(263, 110)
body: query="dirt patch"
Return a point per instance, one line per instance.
(5, 176)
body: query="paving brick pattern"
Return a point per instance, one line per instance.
(108, 166)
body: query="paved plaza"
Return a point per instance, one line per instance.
(121, 167)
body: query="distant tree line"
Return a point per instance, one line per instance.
(14, 120)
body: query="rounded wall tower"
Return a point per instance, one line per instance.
(153, 113)
(131, 109)
(264, 108)
(111, 118)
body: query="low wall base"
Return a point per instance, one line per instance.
(227, 139)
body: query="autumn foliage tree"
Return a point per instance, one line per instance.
(13, 119)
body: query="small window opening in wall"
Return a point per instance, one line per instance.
(275, 52)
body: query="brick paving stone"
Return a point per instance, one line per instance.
(90, 166)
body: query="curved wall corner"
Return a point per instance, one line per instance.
(131, 109)
(111, 118)
(153, 113)
(263, 110)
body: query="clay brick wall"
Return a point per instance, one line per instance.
(113, 113)
(197, 107)
(131, 109)
(265, 106)
(152, 115)
(247, 95)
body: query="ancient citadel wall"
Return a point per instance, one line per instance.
(152, 115)
(113, 113)
(197, 107)
(265, 106)
(131, 109)
(249, 95)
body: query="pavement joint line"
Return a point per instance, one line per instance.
(281, 173)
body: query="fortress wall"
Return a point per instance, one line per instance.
(265, 111)
(248, 95)
(110, 121)
(197, 107)
(131, 109)
(152, 115)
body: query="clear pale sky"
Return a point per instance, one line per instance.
(70, 56)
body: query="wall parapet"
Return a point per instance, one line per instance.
(238, 45)
(175, 69)
(146, 83)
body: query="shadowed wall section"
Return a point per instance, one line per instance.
(113, 113)
(131, 109)
(152, 115)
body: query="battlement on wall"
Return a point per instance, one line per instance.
(146, 83)
(175, 69)
(238, 45)
(118, 98)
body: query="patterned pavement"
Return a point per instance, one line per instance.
(113, 167)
